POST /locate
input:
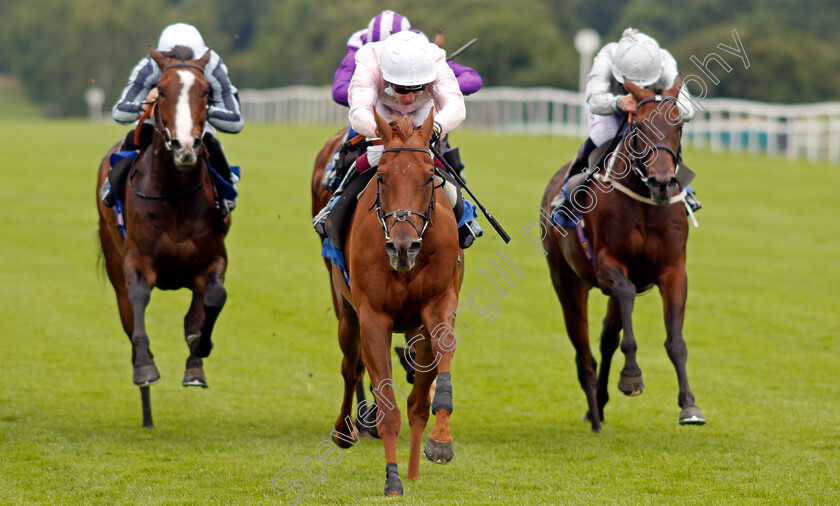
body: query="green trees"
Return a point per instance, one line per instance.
(61, 47)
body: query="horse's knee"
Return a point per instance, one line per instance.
(139, 293)
(215, 295)
(624, 289)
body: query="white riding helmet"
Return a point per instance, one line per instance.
(182, 34)
(637, 59)
(408, 59)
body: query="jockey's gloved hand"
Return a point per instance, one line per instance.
(436, 129)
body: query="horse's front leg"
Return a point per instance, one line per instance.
(423, 365)
(376, 329)
(439, 318)
(139, 294)
(194, 374)
(212, 301)
(673, 285)
(612, 277)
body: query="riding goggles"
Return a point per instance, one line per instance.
(405, 90)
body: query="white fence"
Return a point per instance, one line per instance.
(810, 131)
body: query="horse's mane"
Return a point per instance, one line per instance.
(182, 53)
(404, 127)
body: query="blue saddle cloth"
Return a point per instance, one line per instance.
(225, 189)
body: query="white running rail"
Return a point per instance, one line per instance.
(795, 131)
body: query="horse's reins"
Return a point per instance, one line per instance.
(167, 139)
(403, 214)
(634, 162)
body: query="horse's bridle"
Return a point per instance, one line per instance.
(403, 214)
(162, 130)
(638, 159)
(167, 139)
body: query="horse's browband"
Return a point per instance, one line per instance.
(182, 65)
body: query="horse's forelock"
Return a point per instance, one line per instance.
(404, 127)
(182, 53)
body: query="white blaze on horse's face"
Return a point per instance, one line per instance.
(185, 154)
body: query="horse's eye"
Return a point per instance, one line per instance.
(431, 180)
(207, 92)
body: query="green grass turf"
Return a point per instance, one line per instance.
(761, 326)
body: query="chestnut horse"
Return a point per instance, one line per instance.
(636, 242)
(173, 236)
(405, 272)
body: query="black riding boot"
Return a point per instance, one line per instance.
(113, 188)
(578, 164)
(219, 162)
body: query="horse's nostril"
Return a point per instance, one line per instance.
(196, 143)
(176, 144)
(390, 249)
(414, 248)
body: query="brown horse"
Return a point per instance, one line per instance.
(405, 273)
(173, 237)
(636, 242)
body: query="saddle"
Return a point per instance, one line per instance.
(597, 164)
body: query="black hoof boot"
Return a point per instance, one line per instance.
(443, 394)
(393, 485)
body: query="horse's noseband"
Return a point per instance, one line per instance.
(403, 214)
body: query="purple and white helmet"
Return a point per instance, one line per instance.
(384, 24)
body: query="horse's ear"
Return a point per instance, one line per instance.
(439, 40)
(383, 129)
(675, 89)
(202, 62)
(427, 126)
(632, 88)
(158, 58)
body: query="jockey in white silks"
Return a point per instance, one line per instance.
(404, 75)
(639, 59)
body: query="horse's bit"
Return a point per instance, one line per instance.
(403, 214)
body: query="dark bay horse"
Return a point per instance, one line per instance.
(638, 230)
(173, 236)
(405, 273)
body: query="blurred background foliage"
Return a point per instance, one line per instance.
(59, 48)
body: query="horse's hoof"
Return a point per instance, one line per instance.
(631, 385)
(692, 415)
(393, 485)
(596, 427)
(194, 377)
(437, 452)
(146, 375)
(364, 432)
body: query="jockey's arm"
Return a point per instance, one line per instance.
(343, 75)
(141, 81)
(450, 110)
(364, 88)
(468, 79)
(223, 111)
(598, 94)
(669, 76)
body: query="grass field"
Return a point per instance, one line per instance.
(761, 326)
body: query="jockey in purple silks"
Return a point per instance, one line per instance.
(380, 27)
(223, 110)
